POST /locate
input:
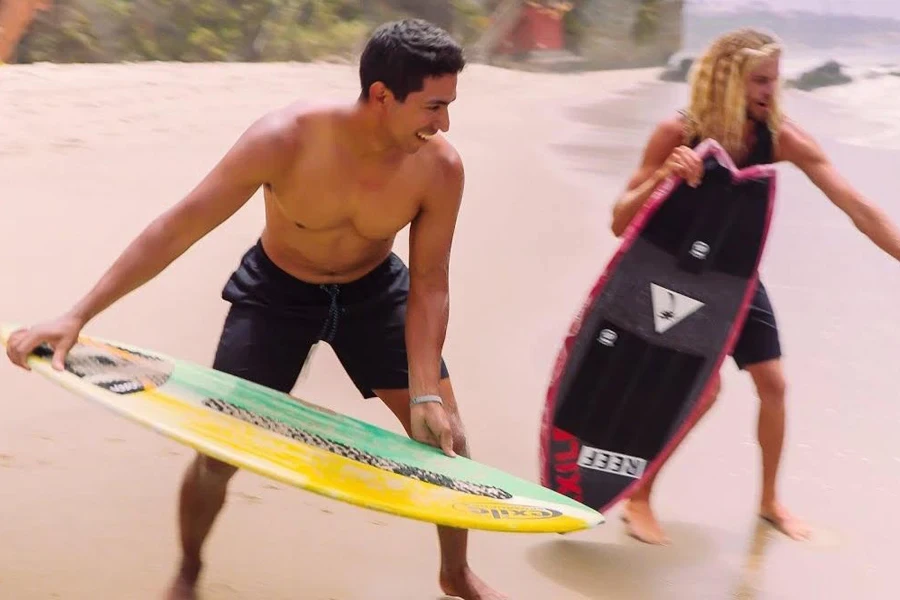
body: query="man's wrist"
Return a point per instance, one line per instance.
(425, 399)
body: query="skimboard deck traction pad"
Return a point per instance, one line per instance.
(640, 358)
(301, 444)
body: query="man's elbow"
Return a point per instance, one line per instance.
(868, 218)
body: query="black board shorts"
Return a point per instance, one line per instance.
(758, 341)
(275, 319)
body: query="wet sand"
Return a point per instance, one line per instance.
(89, 154)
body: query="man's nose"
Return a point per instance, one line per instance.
(443, 121)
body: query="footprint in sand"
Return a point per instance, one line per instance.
(69, 143)
(250, 498)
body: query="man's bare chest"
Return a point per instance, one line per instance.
(376, 206)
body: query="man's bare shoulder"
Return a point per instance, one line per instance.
(277, 138)
(794, 144)
(444, 161)
(665, 137)
(446, 178)
(288, 127)
(671, 129)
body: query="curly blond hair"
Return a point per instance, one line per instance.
(718, 102)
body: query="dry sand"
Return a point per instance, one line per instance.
(89, 154)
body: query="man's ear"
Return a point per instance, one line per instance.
(379, 93)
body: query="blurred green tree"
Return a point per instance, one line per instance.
(227, 30)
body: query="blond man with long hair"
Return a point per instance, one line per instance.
(734, 99)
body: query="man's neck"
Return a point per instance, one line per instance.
(364, 136)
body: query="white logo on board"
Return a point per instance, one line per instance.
(608, 337)
(611, 462)
(699, 250)
(670, 308)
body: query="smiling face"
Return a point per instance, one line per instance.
(408, 74)
(412, 123)
(762, 85)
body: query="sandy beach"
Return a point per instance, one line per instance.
(90, 153)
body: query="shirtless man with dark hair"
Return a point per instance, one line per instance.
(339, 183)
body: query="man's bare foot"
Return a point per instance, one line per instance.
(785, 522)
(183, 588)
(641, 524)
(466, 585)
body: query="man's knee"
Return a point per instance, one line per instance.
(771, 386)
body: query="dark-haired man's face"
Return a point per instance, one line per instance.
(422, 114)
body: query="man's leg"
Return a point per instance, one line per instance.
(201, 499)
(769, 380)
(758, 352)
(370, 342)
(757, 342)
(640, 521)
(456, 578)
(262, 348)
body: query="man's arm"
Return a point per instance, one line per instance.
(799, 148)
(256, 156)
(428, 311)
(657, 163)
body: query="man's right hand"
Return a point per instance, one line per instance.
(60, 333)
(684, 163)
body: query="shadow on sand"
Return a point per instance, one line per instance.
(695, 565)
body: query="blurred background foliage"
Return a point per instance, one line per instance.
(86, 31)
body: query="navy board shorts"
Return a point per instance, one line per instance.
(758, 341)
(275, 319)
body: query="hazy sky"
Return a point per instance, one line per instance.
(878, 8)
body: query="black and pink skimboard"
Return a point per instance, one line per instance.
(641, 356)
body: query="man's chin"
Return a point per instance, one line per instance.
(756, 117)
(758, 113)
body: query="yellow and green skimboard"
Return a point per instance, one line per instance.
(281, 437)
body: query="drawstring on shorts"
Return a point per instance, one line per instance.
(329, 328)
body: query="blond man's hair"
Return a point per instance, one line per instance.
(718, 101)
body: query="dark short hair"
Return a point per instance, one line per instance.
(402, 54)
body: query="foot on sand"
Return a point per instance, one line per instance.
(183, 588)
(642, 525)
(466, 585)
(785, 522)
